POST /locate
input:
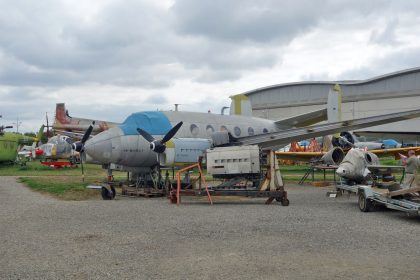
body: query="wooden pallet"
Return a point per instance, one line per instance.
(141, 192)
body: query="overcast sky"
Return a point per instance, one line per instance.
(108, 58)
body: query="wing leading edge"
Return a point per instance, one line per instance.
(284, 137)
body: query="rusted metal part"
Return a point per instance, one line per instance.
(144, 192)
(271, 187)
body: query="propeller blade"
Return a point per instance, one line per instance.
(145, 135)
(81, 164)
(171, 133)
(87, 133)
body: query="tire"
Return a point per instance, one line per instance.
(365, 205)
(285, 202)
(108, 195)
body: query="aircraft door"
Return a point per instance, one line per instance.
(116, 149)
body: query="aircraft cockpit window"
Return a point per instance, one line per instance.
(209, 130)
(237, 131)
(194, 129)
(265, 130)
(250, 131)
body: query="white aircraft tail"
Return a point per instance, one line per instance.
(334, 104)
(240, 105)
(334, 113)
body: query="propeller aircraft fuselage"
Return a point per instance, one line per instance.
(123, 145)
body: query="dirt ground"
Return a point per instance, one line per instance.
(316, 237)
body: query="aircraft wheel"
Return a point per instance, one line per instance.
(283, 200)
(108, 194)
(364, 204)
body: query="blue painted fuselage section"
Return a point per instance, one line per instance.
(156, 123)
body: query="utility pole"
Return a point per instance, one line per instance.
(17, 123)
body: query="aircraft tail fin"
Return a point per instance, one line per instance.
(240, 105)
(334, 112)
(61, 115)
(334, 104)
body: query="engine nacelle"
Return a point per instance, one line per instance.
(334, 157)
(183, 151)
(371, 158)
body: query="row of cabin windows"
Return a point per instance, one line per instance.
(194, 129)
(231, 160)
(191, 150)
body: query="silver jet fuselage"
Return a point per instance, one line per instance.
(355, 165)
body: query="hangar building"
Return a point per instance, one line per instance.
(398, 91)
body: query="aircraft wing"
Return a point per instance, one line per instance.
(299, 156)
(269, 140)
(74, 135)
(303, 120)
(309, 156)
(394, 151)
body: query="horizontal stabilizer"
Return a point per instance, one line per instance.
(303, 120)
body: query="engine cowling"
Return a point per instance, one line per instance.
(334, 157)
(371, 158)
(183, 151)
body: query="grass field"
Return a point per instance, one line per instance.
(64, 183)
(67, 183)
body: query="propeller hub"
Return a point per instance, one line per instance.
(77, 146)
(158, 146)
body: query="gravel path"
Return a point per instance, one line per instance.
(314, 238)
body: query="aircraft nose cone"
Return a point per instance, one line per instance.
(341, 171)
(99, 147)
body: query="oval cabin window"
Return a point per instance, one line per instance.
(237, 131)
(250, 131)
(209, 130)
(194, 129)
(265, 130)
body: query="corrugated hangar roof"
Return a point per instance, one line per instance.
(402, 83)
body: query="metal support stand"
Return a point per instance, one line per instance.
(272, 186)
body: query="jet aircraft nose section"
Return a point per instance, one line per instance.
(99, 147)
(341, 171)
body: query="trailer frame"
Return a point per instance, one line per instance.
(368, 196)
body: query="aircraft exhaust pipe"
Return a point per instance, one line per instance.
(333, 157)
(371, 158)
